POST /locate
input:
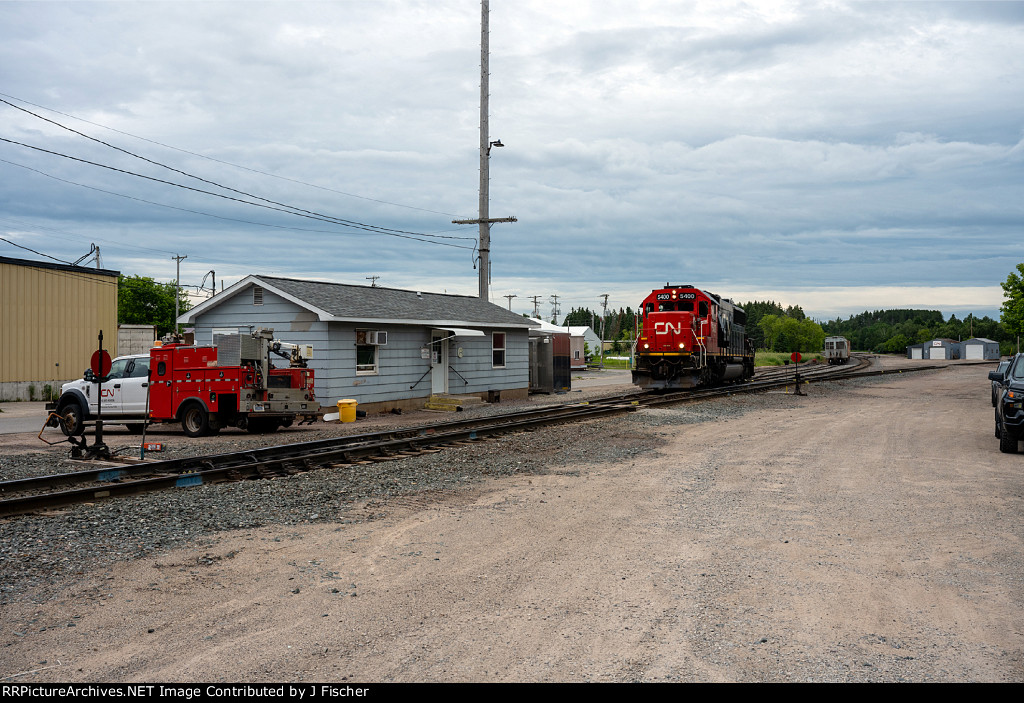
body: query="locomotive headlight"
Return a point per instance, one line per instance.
(647, 346)
(682, 346)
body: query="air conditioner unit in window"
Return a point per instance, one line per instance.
(378, 337)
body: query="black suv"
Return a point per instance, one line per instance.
(1010, 408)
(998, 380)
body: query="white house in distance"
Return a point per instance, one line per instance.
(383, 347)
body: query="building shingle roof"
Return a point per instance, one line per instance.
(342, 301)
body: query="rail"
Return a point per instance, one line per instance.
(37, 493)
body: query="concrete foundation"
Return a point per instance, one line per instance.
(30, 390)
(410, 404)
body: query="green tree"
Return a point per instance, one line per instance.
(143, 301)
(897, 344)
(1012, 310)
(787, 334)
(582, 317)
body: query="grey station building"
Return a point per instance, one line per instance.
(383, 347)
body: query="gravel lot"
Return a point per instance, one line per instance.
(48, 552)
(857, 534)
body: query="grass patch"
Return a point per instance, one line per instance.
(616, 363)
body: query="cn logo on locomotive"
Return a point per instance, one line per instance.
(666, 327)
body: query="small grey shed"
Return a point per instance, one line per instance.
(980, 348)
(942, 348)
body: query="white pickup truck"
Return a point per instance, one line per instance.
(124, 397)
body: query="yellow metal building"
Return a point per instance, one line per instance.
(50, 316)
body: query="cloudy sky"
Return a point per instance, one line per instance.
(841, 156)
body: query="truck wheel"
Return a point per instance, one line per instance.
(1007, 442)
(73, 425)
(195, 420)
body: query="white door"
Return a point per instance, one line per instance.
(975, 351)
(438, 362)
(915, 353)
(111, 390)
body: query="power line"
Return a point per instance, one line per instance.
(62, 261)
(74, 235)
(216, 160)
(312, 216)
(232, 219)
(184, 173)
(85, 275)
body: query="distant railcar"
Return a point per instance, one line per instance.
(837, 350)
(687, 338)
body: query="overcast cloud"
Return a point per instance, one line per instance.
(837, 155)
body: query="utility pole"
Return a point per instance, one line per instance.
(177, 289)
(536, 306)
(513, 295)
(554, 309)
(604, 316)
(484, 275)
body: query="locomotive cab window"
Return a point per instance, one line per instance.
(685, 306)
(703, 308)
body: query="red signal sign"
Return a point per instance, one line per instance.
(100, 363)
(795, 356)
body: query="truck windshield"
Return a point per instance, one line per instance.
(1017, 374)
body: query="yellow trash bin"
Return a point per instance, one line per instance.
(347, 410)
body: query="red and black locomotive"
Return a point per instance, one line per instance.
(688, 337)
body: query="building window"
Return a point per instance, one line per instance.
(498, 350)
(366, 354)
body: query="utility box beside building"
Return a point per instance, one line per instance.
(550, 358)
(550, 371)
(542, 365)
(562, 365)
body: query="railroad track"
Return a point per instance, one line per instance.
(45, 492)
